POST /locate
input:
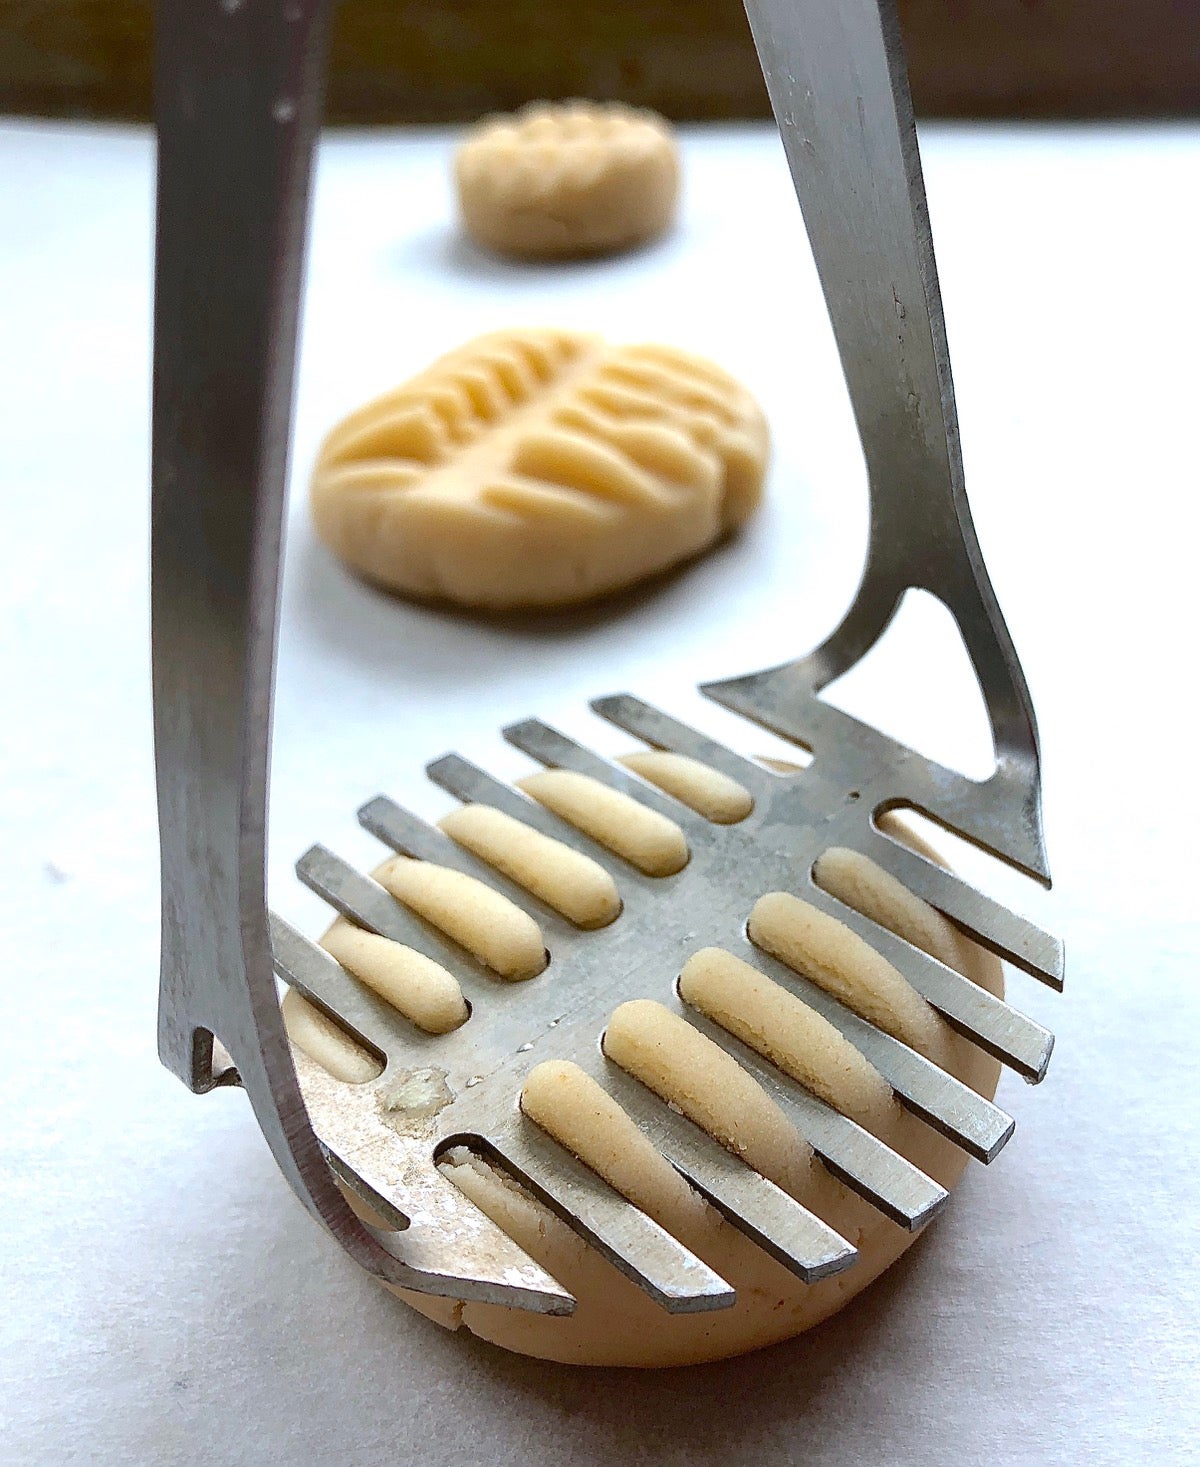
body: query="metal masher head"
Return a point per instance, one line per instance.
(476, 1071)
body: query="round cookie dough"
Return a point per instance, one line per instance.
(537, 468)
(567, 178)
(615, 1323)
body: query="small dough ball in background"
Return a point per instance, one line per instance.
(540, 468)
(568, 178)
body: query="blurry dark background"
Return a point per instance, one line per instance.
(449, 60)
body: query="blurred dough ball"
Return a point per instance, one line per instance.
(538, 468)
(568, 178)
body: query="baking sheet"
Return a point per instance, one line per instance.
(166, 1299)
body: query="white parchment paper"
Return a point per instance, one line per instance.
(165, 1300)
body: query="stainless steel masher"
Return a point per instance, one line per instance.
(238, 96)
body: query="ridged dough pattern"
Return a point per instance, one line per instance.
(536, 468)
(568, 178)
(616, 1323)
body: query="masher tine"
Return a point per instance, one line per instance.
(991, 924)
(642, 1250)
(365, 902)
(660, 730)
(411, 836)
(885, 1178)
(557, 751)
(1012, 1037)
(467, 782)
(319, 977)
(448, 1247)
(791, 1234)
(979, 1127)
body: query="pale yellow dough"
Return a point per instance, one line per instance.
(615, 1323)
(537, 468)
(571, 883)
(795, 1037)
(640, 836)
(413, 984)
(487, 924)
(710, 793)
(568, 178)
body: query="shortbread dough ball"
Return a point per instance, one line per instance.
(538, 468)
(569, 178)
(615, 1323)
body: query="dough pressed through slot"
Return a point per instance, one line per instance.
(644, 838)
(689, 1071)
(827, 951)
(487, 924)
(599, 1129)
(567, 178)
(571, 883)
(326, 1042)
(784, 1029)
(615, 1323)
(714, 795)
(859, 882)
(413, 984)
(537, 468)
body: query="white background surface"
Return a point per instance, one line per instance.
(165, 1298)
